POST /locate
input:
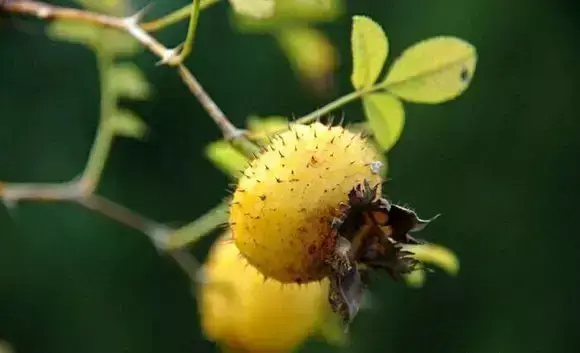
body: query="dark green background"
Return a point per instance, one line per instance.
(500, 163)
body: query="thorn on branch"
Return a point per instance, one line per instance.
(170, 57)
(136, 18)
(130, 25)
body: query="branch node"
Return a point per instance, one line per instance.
(159, 235)
(235, 134)
(170, 56)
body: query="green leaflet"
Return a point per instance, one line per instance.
(386, 116)
(128, 124)
(432, 71)
(226, 158)
(127, 80)
(370, 48)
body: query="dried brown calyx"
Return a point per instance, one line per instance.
(370, 235)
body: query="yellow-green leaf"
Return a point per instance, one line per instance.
(370, 48)
(127, 80)
(262, 128)
(126, 123)
(119, 43)
(226, 158)
(110, 7)
(386, 117)
(95, 37)
(291, 13)
(433, 71)
(415, 279)
(74, 32)
(309, 10)
(437, 255)
(311, 54)
(254, 8)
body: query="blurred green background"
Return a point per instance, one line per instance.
(498, 163)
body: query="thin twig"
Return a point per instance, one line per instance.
(78, 190)
(14, 192)
(157, 232)
(228, 129)
(130, 25)
(46, 11)
(187, 262)
(192, 232)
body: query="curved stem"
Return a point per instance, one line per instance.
(337, 104)
(105, 133)
(175, 17)
(192, 232)
(189, 39)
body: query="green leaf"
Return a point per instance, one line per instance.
(311, 54)
(95, 37)
(254, 8)
(370, 48)
(309, 10)
(119, 43)
(110, 7)
(74, 32)
(415, 279)
(226, 158)
(432, 71)
(291, 13)
(126, 123)
(127, 80)
(386, 117)
(262, 128)
(437, 255)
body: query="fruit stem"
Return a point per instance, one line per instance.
(337, 104)
(194, 231)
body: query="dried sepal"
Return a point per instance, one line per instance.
(371, 234)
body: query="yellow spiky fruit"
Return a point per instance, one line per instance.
(285, 201)
(244, 313)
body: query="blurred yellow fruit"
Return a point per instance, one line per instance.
(284, 203)
(243, 312)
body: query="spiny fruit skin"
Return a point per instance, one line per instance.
(245, 313)
(285, 201)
